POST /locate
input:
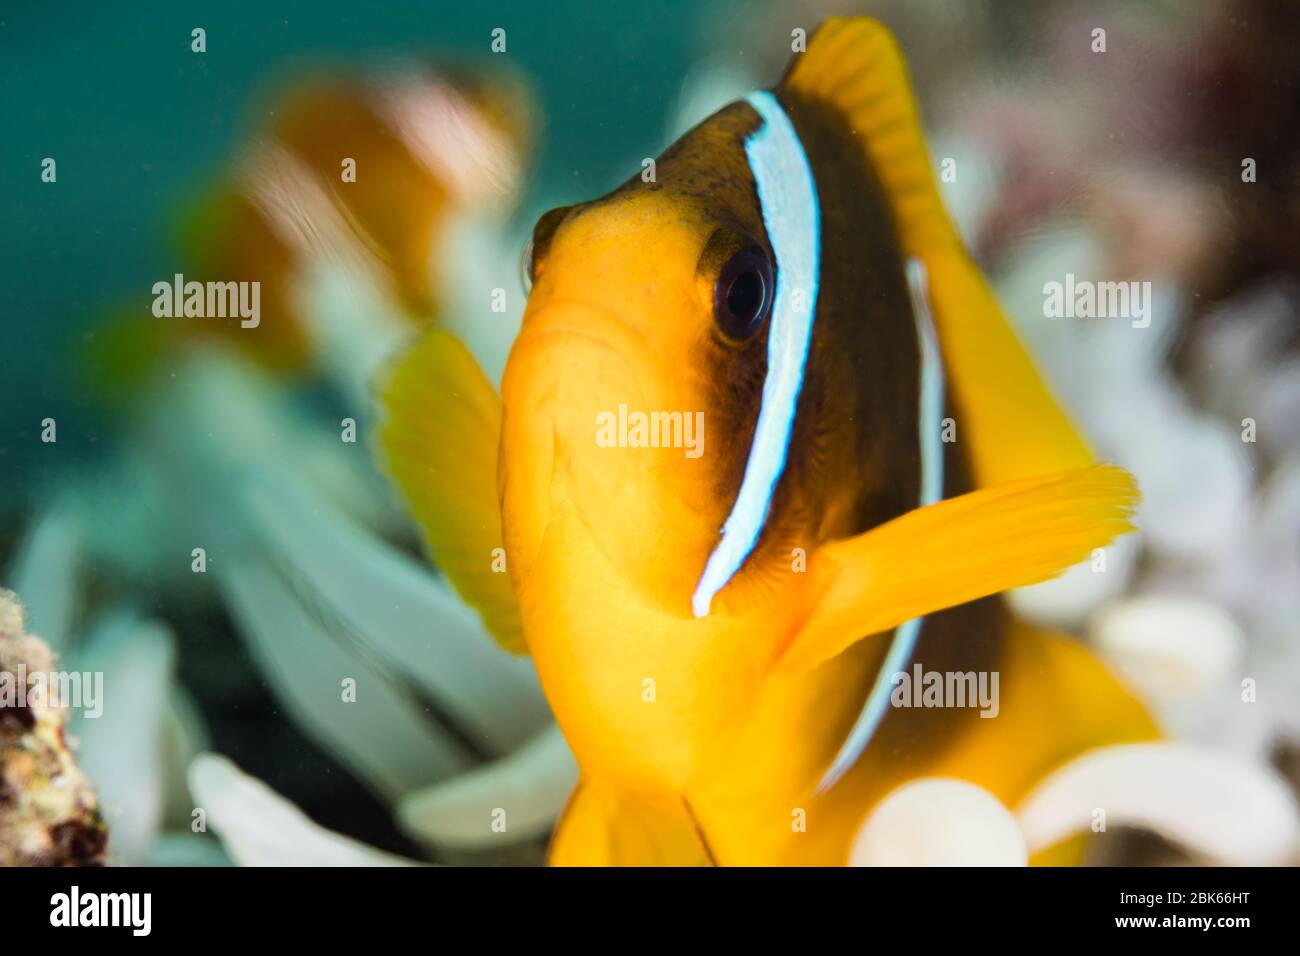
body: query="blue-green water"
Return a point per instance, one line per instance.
(136, 121)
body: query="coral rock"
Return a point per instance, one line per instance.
(48, 811)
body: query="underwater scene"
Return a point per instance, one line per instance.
(726, 433)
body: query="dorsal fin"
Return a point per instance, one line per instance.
(1014, 424)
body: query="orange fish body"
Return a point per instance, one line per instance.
(721, 495)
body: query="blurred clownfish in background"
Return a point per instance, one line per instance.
(353, 185)
(717, 633)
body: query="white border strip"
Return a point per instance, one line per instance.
(787, 196)
(929, 422)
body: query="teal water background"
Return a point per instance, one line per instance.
(136, 121)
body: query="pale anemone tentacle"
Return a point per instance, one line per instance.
(939, 821)
(258, 827)
(381, 731)
(530, 787)
(44, 572)
(1232, 811)
(121, 737)
(396, 609)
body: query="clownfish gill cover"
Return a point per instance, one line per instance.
(697, 436)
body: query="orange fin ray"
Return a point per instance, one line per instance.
(438, 439)
(956, 551)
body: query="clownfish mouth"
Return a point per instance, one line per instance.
(568, 366)
(588, 429)
(573, 365)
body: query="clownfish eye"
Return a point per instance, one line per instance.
(742, 295)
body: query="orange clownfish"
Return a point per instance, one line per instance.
(356, 177)
(716, 474)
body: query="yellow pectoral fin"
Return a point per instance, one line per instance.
(438, 439)
(956, 551)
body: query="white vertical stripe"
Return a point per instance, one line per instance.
(929, 423)
(787, 196)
